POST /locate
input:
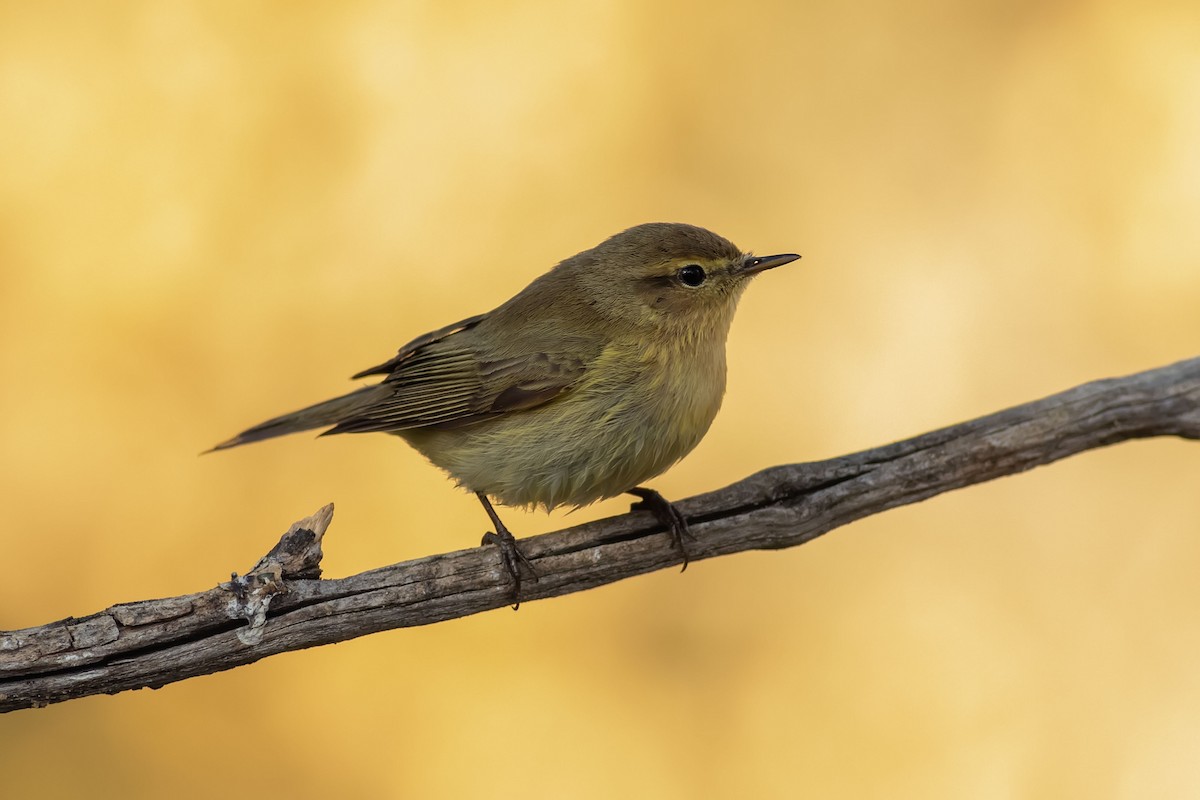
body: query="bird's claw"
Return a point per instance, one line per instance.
(667, 515)
(512, 558)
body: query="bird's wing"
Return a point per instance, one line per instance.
(410, 349)
(442, 380)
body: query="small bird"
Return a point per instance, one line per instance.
(596, 377)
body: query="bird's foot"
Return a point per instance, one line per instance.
(668, 515)
(510, 554)
(513, 559)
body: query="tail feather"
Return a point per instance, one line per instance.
(320, 415)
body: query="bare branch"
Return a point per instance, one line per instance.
(282, 605)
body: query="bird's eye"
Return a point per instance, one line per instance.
(692, 275)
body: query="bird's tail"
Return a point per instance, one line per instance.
(320, 415)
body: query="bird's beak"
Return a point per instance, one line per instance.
(756, 264)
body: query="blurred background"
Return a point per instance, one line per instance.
(211, 213)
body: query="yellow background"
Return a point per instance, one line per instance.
(214, 212)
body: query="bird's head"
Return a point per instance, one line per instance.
(668, 276)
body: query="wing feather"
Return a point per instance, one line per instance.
(405, 352)
(445, 383)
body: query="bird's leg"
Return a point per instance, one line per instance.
(667, 514)
(510, 554)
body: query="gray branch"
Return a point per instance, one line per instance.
(282, 604)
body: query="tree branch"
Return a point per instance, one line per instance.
(283, 605)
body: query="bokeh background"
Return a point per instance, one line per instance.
(214, 212)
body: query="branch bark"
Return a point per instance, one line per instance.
(282, 604)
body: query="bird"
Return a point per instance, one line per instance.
(596, 377)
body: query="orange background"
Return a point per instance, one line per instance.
(214, 212)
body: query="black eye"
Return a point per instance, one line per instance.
(692, 275)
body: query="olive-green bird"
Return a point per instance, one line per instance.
(598, 376)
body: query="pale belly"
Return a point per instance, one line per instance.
(600, 440)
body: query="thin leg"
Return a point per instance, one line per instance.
(667, 515)
(510, 554)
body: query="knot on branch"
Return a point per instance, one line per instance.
(297, 555)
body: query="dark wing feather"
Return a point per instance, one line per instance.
(444, 383)
(416, 344)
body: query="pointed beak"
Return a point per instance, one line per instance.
(756, 264)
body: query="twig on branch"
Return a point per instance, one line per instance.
(282, 604)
